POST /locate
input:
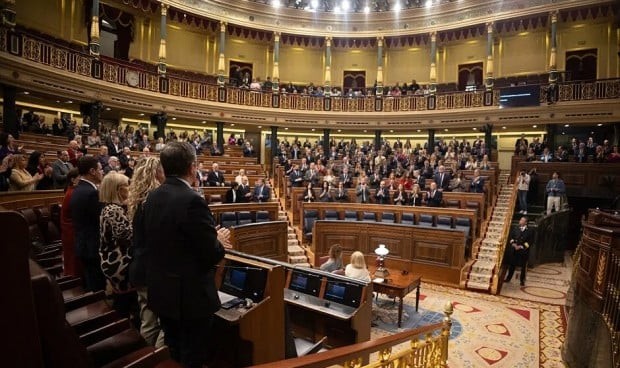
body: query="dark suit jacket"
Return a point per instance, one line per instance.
(243, 191)
(382, 199)
(294, 178)
(85, 211)
(265, 192)
(477, 186)
(434, 201)
(523, 238)
(341, 197)
(214, 180)
(446, 180)
(182, 252)
(229, 196)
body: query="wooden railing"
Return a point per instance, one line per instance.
(427, 348)
(595, 309)
(42, 50)
(504, 239)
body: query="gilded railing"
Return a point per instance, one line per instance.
(426, 347)
(38, 49)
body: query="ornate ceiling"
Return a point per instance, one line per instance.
(293, 17)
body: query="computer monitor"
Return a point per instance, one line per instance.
(305, 282)
(244, 281)
(343, 292)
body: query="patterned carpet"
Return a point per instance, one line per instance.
(488, 330)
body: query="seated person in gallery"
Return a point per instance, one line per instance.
(357, 268)
(341, 193)
(334, 263)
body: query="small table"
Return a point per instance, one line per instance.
(397, 285)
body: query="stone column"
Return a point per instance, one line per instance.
(433, 74)
(274, 141)
(94, 29)
(552, 89)
(328, 67)
(161, 67)
(431, 141)
(219, 140)
(377, 140)
(11, 123)
(489, 78)
(379, 91)
(221, 64)
(326, 138)
(276, 61)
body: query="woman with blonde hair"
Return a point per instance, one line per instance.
(20, 179)
(357, 268)
(148, 175)
(115, 234)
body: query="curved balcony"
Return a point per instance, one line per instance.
(33, 61)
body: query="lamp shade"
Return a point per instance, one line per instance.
(382, 251)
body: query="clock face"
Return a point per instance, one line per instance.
(132, 78)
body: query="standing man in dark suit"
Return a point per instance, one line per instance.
(382, 195)
(245, 192)
(233, 195)
(362, 192)
(183, 248)
(60, 169)
(262, 192)
(346, 178)
(341, 193)
(296, 177)
(442, 178)
(84, 207)
(434, 197)
(215, 178)
(521, 239)
(477, 183)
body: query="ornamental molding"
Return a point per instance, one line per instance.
(410, 21)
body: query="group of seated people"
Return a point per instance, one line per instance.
(355, 269)
(576, 151)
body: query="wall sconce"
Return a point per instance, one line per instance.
(381, 252)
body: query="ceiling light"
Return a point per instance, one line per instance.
(339, 130)
(445, 130)
(391, 130)
(285, 128)
(419, 130)
(26, 92)
(599, 124)
(365, 131)
(345, 5)
(276, 3)
(69, 102)
(503, 127)
(174, 118)
(260, 127)
(141, 114)
(366, 9)
(566, 125)
(313, 129)
(233, 124)
(534, 126)
(397, 6)
(204, 121)
(107, 109)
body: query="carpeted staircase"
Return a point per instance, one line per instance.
(487, 257)
(296, 254)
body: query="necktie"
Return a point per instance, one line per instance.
(441, 180)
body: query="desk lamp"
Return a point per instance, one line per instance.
(381, 252)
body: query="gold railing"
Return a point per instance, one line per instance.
(427, 348)
(42, 50)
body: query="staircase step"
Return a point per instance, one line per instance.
(297, 259)
(307, 265)
(296, 250)
(292, 235)
(293, 242)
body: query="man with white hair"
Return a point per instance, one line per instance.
(113, 165)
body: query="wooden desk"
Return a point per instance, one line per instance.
(398, 286)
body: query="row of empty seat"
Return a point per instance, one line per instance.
(228, 219)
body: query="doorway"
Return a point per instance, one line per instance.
(470, 76)
(240, 73)
(581, 64)
(355, 80)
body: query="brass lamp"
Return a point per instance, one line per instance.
(381, 252)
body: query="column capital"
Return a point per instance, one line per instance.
(164, 9)
(490, 26)
(380, 41)
(223, 26)
(434, 36)
(328, 41)
(328, 38)
(554, 16)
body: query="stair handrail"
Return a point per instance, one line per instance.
(428, 348)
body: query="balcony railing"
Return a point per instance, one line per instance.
(40, 50)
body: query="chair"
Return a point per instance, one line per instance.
(426, 220)
(331, 215)
(453, 203)
(444, 222)
(463, 224)
(369, 217)
(48, 228)
(215, 198)
(244, 217)
(262, 216)
(387, 217)
(228, 219)
(350, 215)
(37, 240)
(310, 216)
(407, 219)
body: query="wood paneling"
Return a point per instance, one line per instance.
(265, 239)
